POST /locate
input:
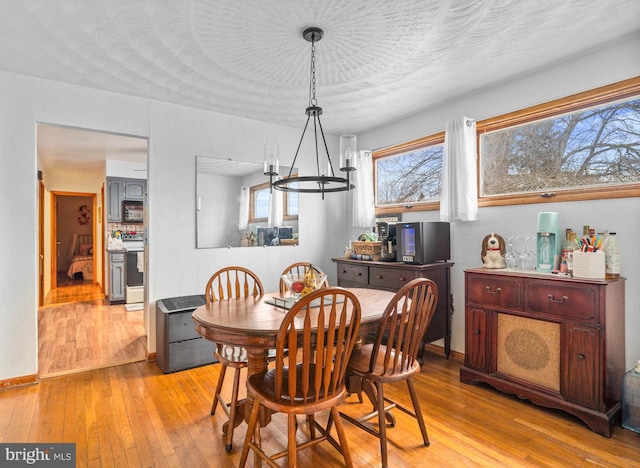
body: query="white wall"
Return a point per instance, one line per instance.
(176, 134)
(603, 67)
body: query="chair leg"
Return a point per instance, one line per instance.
(223, 370)
(418, 413)
(251, 429)
(291, 444)
(382, 429)
(233, 406)
(342, 437)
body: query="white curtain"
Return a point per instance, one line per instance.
(363, 204)
(276, 209)
(459, 193)
(243, 215)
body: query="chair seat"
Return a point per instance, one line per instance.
(361, 358)
(263, 387)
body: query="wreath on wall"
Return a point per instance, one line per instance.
(85, 214)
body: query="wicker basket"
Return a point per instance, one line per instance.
(367, 248)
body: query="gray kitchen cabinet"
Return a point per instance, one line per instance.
(119, 189)
(134, 189)
(117, 280)
(115, 195)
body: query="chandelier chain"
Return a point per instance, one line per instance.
(313, 101)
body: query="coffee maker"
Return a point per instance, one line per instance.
(387, 234)
(549, 244)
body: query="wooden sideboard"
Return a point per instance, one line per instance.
(554, 340)
(391, 276)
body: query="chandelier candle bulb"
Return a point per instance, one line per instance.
(348, 152)
(271, 156)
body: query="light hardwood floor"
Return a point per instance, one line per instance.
(78, 330)
(134, 415)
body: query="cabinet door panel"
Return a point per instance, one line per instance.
(580, 371)
(477, 339)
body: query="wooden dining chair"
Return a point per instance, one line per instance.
(313, 346)
(228, 283)
(301, 268)
(401, 327)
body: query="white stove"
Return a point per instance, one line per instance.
(133, 242)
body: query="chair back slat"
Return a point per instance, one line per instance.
(403, 325)
(233, 282)
(314, 344)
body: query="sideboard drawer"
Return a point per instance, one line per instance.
(504, 292)
(578, 301)
(391, 278)
(353, 273)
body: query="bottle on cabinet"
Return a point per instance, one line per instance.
(612, 257)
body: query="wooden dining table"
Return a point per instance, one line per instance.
(253, 324)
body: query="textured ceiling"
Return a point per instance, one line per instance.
(379, 60)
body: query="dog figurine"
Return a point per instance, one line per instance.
(493, 250)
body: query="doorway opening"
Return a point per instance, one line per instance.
(78, 329)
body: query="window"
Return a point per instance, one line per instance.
(259, 203)
(582, 147)
(408, 176)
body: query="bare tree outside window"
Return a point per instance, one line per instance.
(411, 177)
(597, 147)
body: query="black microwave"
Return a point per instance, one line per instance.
(422, 242)
(132, 212)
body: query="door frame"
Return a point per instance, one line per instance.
(54, 231)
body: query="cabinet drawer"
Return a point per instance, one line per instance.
(115, 258)
(391, 278)
(504, 292)
(562, 300)
(353, 273)
(181, 327)
(190, 353)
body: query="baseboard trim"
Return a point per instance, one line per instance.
(439, 351)
(19, 381)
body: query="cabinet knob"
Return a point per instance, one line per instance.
(378, 276)
(359, 274)
(402, 278)
(344, 271)
(559, 301)
(476, 332)
(489, 291)
(581, 357)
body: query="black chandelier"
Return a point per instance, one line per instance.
(325, 181)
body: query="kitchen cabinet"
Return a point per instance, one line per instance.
(134, 189)
(391, 276)
(117, 280)
(178, 345)
(556, 341)
(119, 189)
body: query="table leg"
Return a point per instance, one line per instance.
(256, 363)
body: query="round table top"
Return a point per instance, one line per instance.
(252, 322)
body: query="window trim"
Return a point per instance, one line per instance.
(430, 140)
(599, 96)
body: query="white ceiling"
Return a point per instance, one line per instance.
(379, 60)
